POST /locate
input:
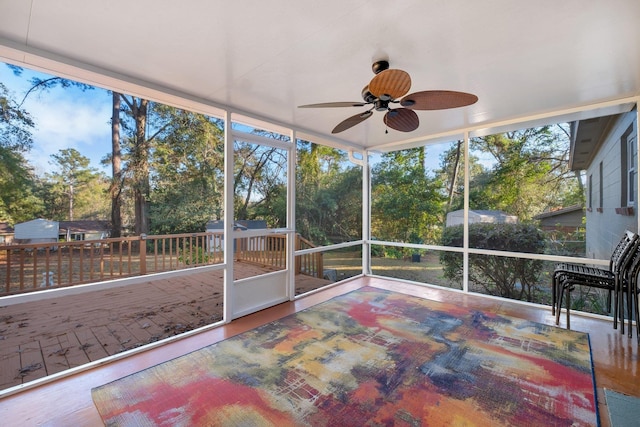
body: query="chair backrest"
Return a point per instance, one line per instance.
(620, 256)
(632, 264)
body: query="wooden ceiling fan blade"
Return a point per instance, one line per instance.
(333, 104)
(402, 119)
(437, 100)
(391, 84)
(352, 121)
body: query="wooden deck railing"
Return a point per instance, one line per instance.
(309, 264)
(267, 250)
(36, 266)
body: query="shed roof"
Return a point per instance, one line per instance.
(84, 226)
(559, 212)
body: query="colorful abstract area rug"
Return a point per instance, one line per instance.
(369, 358)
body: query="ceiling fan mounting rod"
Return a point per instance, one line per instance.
(379, 66)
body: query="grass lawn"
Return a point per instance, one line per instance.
(428, 270)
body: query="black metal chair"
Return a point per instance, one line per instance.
(564, 268)
(566, 276)
(635, 290)
(632, 290)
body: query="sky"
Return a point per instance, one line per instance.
(64, 118)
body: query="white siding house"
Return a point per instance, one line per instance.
(43, 230)
(84, 230)
(36, 231)
(216, 243)
(494, 217)
(606, 148)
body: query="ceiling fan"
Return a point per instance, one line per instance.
(386, 89)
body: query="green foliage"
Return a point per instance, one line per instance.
(194, 256)
(528, 174)
(260, 181)
(503, 276)
(74, 190)
(407, 204)
(19, 199)
(15, 124)
(18, 185)
(187, 179)
(328, 195)
(273, 207)
(92, 201)
(588, 299)
(395, 252)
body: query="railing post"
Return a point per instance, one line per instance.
(8, 284)
(320, 263)
(46, 262)
(297, 258)
(143, 253)
(81, 249)
(35, 267)
(155, 255)
(22, 256)
(101, 261)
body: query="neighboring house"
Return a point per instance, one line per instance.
(240, 225)
(563, 227)
(43, 230)
(495, 217)
(606, 148)
(6, 233)
(216, 243)
(564, 221)
(84, 230)
(36, 231)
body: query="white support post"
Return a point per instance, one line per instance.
(465, 239)
(291, 216)
(228, 219)
(366, 214)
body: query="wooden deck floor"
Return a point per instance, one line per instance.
(42, 338)
(67, 401)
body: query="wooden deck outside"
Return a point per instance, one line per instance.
(67, 401)
(41, 338)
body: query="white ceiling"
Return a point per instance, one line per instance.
(523, 59)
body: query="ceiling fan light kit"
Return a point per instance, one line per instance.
(386, 87)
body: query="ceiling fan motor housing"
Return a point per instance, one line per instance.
(382, 105)
(368, 97)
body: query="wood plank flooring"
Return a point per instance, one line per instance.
(67, 401)
(41, 338)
